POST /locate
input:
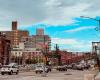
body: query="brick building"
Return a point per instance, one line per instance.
(15, 35)
(42, 41)
(4, 49)
(39, 31)
(21, 56)
(38, 41)
(67, 57)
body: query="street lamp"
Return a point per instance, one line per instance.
(96, 45)
(97, 28)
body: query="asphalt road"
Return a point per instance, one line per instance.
(54, 75)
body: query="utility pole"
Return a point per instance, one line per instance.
(58, 55)
(97, 29)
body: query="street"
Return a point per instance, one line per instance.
(54, 75)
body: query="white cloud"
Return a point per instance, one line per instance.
(63, 41)
(64, 15)
(54, 12)
(5, 29)
(80, 29)
(73, 44)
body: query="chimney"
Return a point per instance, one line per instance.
(14, 25)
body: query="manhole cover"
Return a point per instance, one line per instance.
(68, 74)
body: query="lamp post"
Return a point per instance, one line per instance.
(97, 28)
(96, 46)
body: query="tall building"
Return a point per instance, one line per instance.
(38, 41)
(15, 35)
(4, 49)
(29, 43)
(39, 31)
(14, 25)
(42, 41)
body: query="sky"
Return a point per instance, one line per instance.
(59, 18)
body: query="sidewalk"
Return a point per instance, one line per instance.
(93, 75)
(97, 76)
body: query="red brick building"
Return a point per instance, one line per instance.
(15, 35)
(4, 49)
(68, 57)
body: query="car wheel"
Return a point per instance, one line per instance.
(17, 72)
(2, 73)
(40, 72)
(36, 72)
(10, 73)
(47, 71)
(50, 70)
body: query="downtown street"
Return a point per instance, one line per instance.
(53, 75)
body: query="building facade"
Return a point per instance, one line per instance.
(95, 45)
(26, 56)
(96, 52)
(42, 41)
(38, 41)
(40, 31)
(15, 35)
(4, 49)
(22, 44)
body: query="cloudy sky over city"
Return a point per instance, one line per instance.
(59, 18)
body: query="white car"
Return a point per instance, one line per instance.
(79, 67)
(9, 69)
(41, 68)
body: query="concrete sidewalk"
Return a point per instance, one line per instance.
(97, 76)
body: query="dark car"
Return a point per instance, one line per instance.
(62, 68)
(69, 67)
(87, 66)
(48, 68)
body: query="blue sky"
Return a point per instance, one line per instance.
(73, 37)
(60, 19)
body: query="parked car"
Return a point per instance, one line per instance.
(74, 66)
(69, 66)
(41, 68)
(48, 68)
(79, 67)
(62, 68)
(9, 69)
(86, 66)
